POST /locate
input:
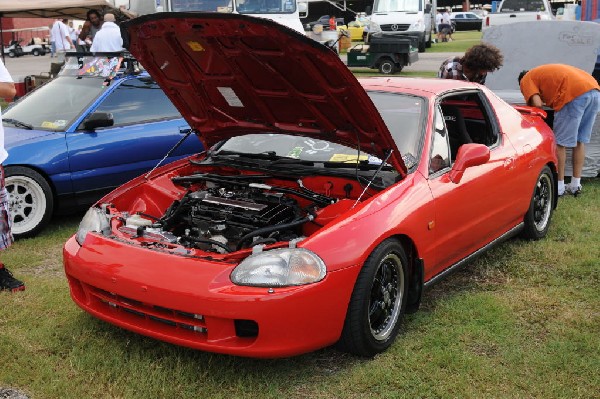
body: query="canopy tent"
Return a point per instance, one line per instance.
(70, 9)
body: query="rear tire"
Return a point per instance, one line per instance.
(378, 302)
(387, 66)
(36, 52)
(11, 54)
(31, 200)
(538, 216)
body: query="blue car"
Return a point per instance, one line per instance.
(83, 134)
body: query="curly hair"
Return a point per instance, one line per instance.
(483, 57)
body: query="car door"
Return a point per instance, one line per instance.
(146, 127)
(473, 212)
(474, 21)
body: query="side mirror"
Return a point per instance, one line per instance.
(368, 10)
(468, 155)
(98, 119)
(427, 8)
(303, 9)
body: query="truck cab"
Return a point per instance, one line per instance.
(404, 17)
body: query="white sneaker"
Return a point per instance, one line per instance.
(573, 190)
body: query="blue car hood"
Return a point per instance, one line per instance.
(15, 136)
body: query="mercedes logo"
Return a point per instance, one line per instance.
(394, 27)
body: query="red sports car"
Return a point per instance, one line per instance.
(324, 206)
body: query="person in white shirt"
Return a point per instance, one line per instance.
(438, 25)
(7, 281)
(448, 24)
(62, 39)
(108, 39)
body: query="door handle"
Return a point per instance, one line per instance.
(509, 163)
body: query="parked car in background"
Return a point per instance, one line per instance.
(313, 220)
(466, 21)
(356, 29)
(74, 139)
(15, 49)
(324, 20)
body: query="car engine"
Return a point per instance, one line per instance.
(224, 219)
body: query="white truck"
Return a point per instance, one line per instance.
(404, 17)
(511, 11)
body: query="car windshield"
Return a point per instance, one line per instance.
(202, 5)
(242, 6)
(402, 114)
(57, 104)
(397, 5)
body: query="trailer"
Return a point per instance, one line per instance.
(388, 53)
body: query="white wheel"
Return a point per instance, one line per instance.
(30, 199)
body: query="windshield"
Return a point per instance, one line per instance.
(242, 6)
(402, 114)
(202, 5)
(397, 5)
(265, 6)
(522, 5)
(57, 104)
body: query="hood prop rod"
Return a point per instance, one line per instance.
(373, 177)
(168, 154)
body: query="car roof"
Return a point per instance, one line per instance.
(423, 87)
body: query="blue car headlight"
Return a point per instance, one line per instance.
(280, 268)
(95, 219)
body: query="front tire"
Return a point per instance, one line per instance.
(378, 302)
(11, 54)
(31, 201)
(538, 216)
(36, 52)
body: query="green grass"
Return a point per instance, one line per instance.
(461, 41)
(521, 321)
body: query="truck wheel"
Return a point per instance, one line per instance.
(11, 54)
(36, 52)
(422, 46)
(387, 66)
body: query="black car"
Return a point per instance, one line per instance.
(466, 21)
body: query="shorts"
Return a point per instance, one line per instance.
(6, 237)
(575, 120)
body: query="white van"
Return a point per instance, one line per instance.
(407, 17)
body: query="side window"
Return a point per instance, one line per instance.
(468, 121)
(439, 158)
(138, 100)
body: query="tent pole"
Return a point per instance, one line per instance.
(2, 40)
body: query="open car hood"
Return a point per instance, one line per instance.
(232, 75)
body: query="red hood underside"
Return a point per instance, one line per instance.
(231, 75)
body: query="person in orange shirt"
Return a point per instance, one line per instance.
(574, 95)
(332, 23)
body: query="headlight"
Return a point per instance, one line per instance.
(95, 219)
(279, 268)
(374, 27)
(417, 26)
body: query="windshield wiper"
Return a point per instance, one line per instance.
(18, 123)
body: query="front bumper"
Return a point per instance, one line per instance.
(191, 302)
